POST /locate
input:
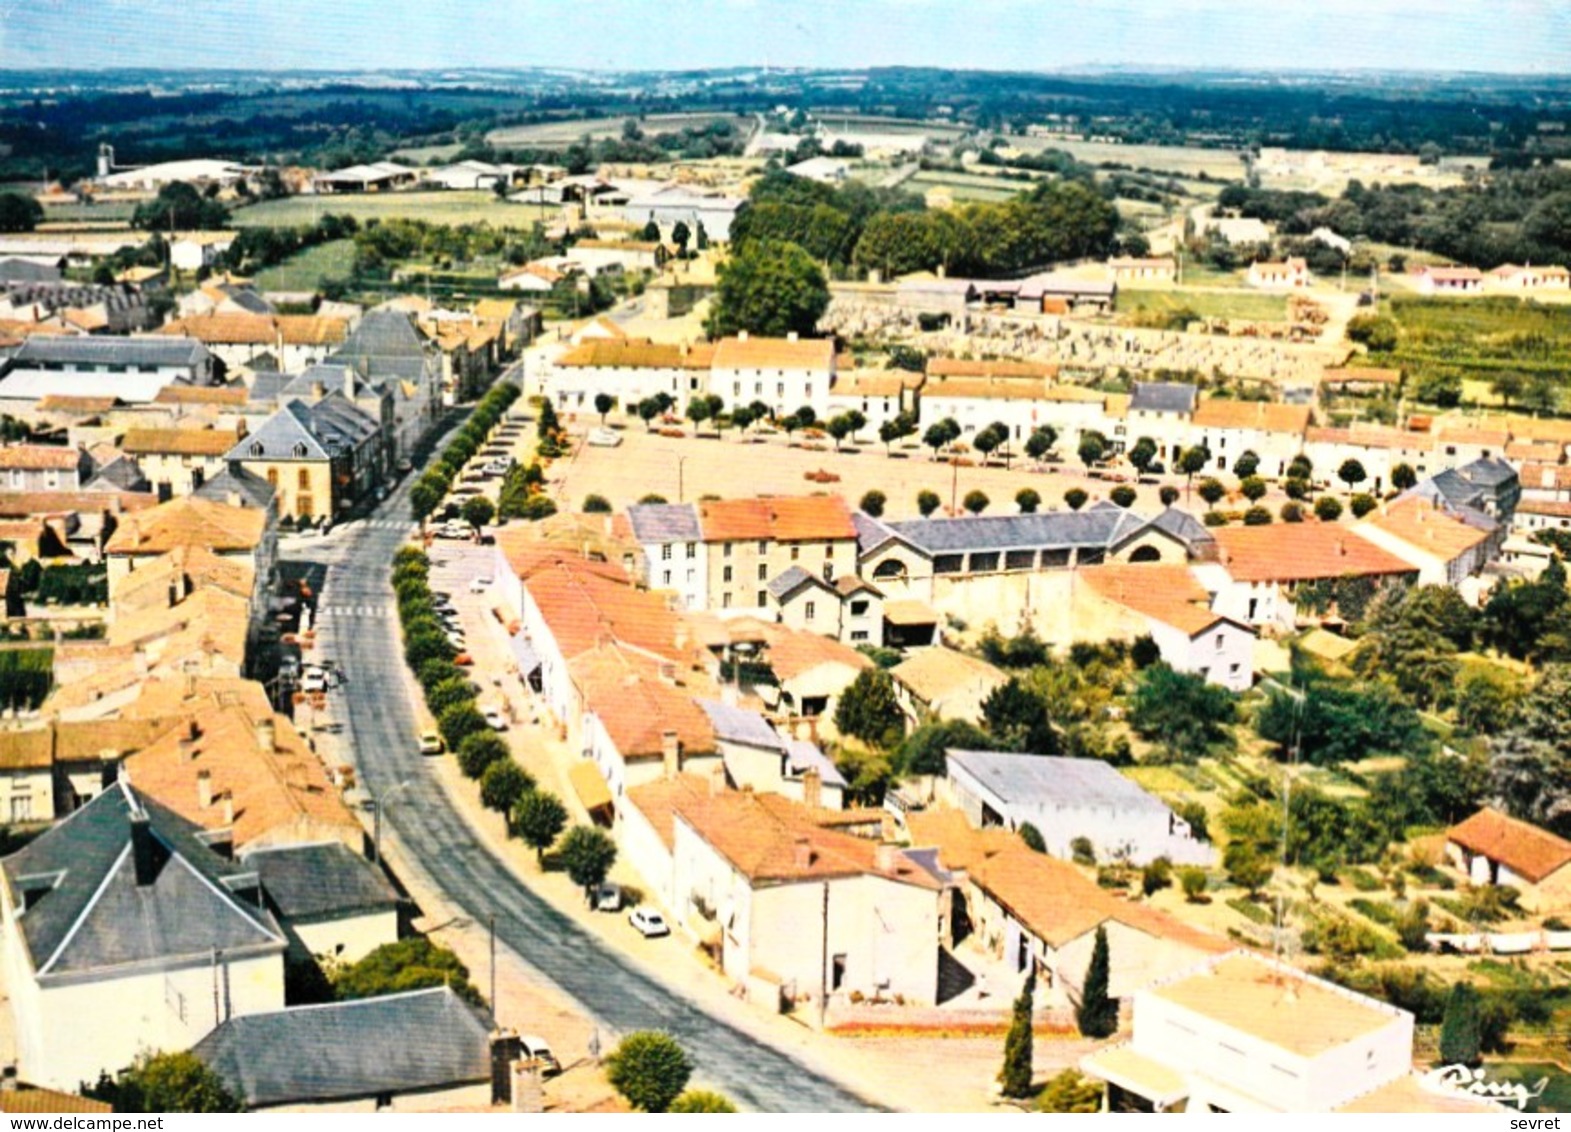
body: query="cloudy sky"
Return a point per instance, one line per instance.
(1434, 35)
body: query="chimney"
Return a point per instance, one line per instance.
(802, 853)
(1341, 547)
(318, 391)
(812, 788)
(187, 745)
(506, 1048)
(741, 336)
(232, 497)
(791, 336)
(717, 782)
(265, 736)
(204, 788)
(229, 808)
(671, 753)
(142, 848)
(885, 858)
(526, 1095)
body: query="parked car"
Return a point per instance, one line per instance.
(431, 743)
(495, 719)
(604, 438)
(405, 466)
(649, 922)
(608, 898)
(536, 1048)
(314, 680)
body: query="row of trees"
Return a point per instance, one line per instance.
(432, 487)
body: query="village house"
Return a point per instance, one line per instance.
(1447, 547)
(43, 467)
(333, 904)
(292, 341)
(1168, 603)
(193, 251)
(597, 257)
(1244, 1033)
(132, 370)
(87, 996)
(223, 294)
(1162, 410)
(531, 278)
(1511, 277)
(751, 542)
(670, 205)
(847, 609)
(940, 683)
(1142, 271)
(58, 766)
(675, 555)
(784, 373)
(759, 758)
(1449, 281)
(629, 370)
(1068, 799)
(1493, 848)
(177, 461)
(755, 878)
(1281, 275)
(416, 1051)
(320, 455)
(1361, 379)
(880, 395)
(1227, 429)
(70, 309)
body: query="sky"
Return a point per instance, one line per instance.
(1532, 36)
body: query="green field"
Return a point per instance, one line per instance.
(305, 271)
(425, 154)
(1207, 304)
(1180, 160)
(564, 134)
(1474, 340)
(110, 212)
(437, 207)
(966, 186)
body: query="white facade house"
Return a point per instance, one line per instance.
(784, 373)
(668, 205)
(192, 251)
(676, 558)
(1243, 1033)
(1066, 799)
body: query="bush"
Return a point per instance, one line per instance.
(1328, 509)
(1168, 494)
(1070, 1092)
(1214, 519)
(649, 1069)
(927, 502)
(1362, 504)
(1123, 495)
(1028, 499)
(502, 784)
(166, 1082)
(478, 751)
(1156, 876)
(1257, 517)
(410, 964)
(459, 722)
(1076, 498)
(1082, 852)
(872, 503)
(1193, 881)
(1032, 837)
(596, 505)
(537, 507)
(975, 502)
(1292, 512)
(1014, 1079)
(701, 1100)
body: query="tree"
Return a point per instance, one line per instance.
(1300, 467)
(1253, 488)
(872, 503)
(409, 964)
(1143, 454)
(1192, 880)
(423, 498)
(1181, 711)
(648, 410)
(1168, 494)
(651, 233)
(1123, 495)
(1032, 837)
(179, 207)
(838, 428)
(604, 403)
(1292, 512)
(1530, 763)
(1016, 717)
(701, 1100)
(1351, 472)
(1403, 477)
(988, 439)
(166, 1082)
(1192, 460)
(975, 501)
(1092, 447)
(1335, 721)
(1362, 504)
(458, 722)
(1246, 465)
(941, 433)
(649, 1069)
(896, 428)
(1328, 509)
(478, 752)
(1041, 441)
(869, 711)
(587, 853)
(1211, 490)
(596, 504)
(1461, 1031)
(768, 289)
(454, 690)
(1096, 1014)
(1028, 499)
(1068, 1091)
(1257, 517)
(923, 750)
(1246, 867)
(1076, 498)
(477, 511)
(1014, 1078)
(680, 235)
(927, 502)
(19, 213)
(1156, 875)
(502, 784)
(539, 817)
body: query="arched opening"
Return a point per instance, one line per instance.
(1146, 554)
(890, 568)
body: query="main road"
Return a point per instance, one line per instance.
(380, 725)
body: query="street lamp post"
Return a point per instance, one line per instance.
(377, 804)
(680, 481)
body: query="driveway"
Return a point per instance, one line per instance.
(357, 627)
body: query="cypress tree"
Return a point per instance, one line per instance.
(1461, 1032)
(1097, 1013)
(1015, 1076)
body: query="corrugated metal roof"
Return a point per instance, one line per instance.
(1048, 780)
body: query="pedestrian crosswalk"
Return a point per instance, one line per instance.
(407, 526)
(354, 610)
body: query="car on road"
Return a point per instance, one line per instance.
(495, 720)
(536, 1048)
(604, 438)
(314, 680)
(431, 743)
(648, 922)
(405, 466)
(608, 898)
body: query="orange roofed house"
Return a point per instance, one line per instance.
(628, 369)
(749, 543)
(799, 912)
(1492, 848)
(784, 373)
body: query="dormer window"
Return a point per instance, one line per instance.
(256, 448)
(300, 450)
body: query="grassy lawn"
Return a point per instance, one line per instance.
(1474, 339)
(1181, 160)
(566, 133)
(1206, 304)
(305, 272)
(110, 212)
(437, 207)
(965, 186)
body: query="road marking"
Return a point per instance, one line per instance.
(352, 610)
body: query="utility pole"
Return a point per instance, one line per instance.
(491, 922)
(823, 966)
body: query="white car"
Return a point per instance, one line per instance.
(648, 922)
(604, 438)
(536, 1048)
(431, 743)
(314, 680)
(495, 719)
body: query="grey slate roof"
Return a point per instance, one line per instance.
(158, 350)
(252, 489)
(120, 474)
(300, 430)
(1102, 527)
(1491, 471)
(738, 725)
(322, 881)
(26, 271)
(1042, 780)
(664, 522)
(399, 1043)
(1163, 397)
(1184, 527)
(385, 344)
(90, 914)
(803, 756)
(793, 579)
(871, 533)
(55, 295)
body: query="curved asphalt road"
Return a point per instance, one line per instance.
(381, 726)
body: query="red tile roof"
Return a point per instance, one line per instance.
(802, 518)
(637, 706)
(1297, 552)
(1169, 594)
(1419, 523)
(775, 353)
(1266, 416)
(1525, 849)
(39, 456)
